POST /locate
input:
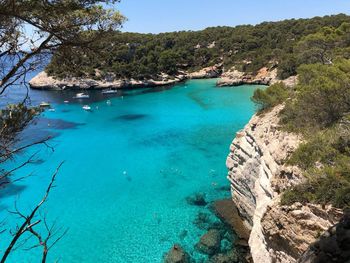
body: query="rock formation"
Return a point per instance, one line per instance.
(258, 176)
(264, 76)
(209, 243)
(332, 246)
(205, 73)
(44, 81)
(234, 77)
(177, 255)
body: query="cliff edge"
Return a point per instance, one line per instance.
(258, 176)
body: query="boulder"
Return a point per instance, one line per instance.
(210, 242)
(197, 199)
(228, 213)
(177, 255)
(229, 257)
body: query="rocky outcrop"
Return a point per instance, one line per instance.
(258, 176)
(332, 246)
(256, 157)
(44, 81)
(209, 243)
(234, 77)
(228, 213)
(264, 76)
(177, 255)
(289, 230)
(205, 73)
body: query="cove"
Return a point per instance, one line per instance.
(129, 168)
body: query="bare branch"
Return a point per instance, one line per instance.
(27, 225)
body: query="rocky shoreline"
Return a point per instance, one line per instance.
(232, 77)
(258, 176)
(45, 82)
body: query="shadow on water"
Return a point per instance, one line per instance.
(194, 96)
(10, 189)
(131, 117)
(56, 124)
(165, 139)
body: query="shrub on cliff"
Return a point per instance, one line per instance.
(271, 96)
(325, 159)
(319, 109)
(326, 186)
(322, 97)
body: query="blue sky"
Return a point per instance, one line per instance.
(154, 16)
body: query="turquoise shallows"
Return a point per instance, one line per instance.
(128, 169)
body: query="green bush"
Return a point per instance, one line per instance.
(271, 96)
(328, 188)
(321, 99)
(325, 160)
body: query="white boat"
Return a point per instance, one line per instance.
(66, 101)
(45, 105)
(87, 108)
(81, 96)
(109, 91)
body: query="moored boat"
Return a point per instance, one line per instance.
(109, 91)
(87, 108)
(44, 105)
(81, 96)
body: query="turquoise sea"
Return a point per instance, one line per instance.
(128, 169)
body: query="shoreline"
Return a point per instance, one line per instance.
(230, 78)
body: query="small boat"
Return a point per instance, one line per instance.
(109, 91)
(87, 108)
(66, 101)
(109, 102)
(44, 105)
(81, 96)
(53, 110)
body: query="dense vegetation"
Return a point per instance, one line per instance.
(319, 108)
(132, 55)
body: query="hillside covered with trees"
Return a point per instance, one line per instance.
(289, 43)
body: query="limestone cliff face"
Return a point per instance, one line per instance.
(44, 81)
(265, 76)
(258, 176)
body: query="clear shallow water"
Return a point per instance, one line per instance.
(129, 168)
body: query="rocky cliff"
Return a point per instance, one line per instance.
(265, 76)
(258, 176)
(44, 81)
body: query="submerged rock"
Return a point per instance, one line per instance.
(210, 242)
(203, 221)
(177, 255)
(228, 213)
(229, 257)
(197, 199)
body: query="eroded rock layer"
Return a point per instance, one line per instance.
(258, 176)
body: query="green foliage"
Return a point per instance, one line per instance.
(271, 96)
(132, 55)
(325, 159)
(322, 97)
(328, 188)
(13, 119)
